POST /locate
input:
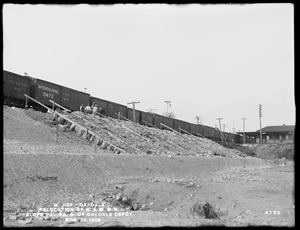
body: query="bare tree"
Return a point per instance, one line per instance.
(169, 114)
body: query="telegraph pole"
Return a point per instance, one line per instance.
(168, 102)
(197, 118)
(220, 129)
(133, 107)
(260, 131)
(244, 129)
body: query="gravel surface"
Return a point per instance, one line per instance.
(169, 187)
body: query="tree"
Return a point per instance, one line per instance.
(169, 114)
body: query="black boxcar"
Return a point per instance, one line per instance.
(43, 91)
(238, 138)
(232, 137)
(103, 104)
(137, 115)
(200, 129)
(157, 120)
(176, 124)
(168, 121)
(225, 137)
(181, 124)
(208, 131)
(193, 128)
(217, 134)
(147, 118)
(113, 109)
(73, 99)
(14, 88)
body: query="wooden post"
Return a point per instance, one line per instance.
(221, 134)
(119, 116)
(26, 102)
(218, 164)
(244, 161)
(53, 105)
(60, 106)
(133, 107)
(57, 130)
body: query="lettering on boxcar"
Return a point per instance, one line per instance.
(51, 90)
(49, 95)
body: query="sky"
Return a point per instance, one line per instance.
(212, 61)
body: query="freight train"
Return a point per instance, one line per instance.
(15, 86)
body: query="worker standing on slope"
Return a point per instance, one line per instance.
(88, 109)
(95, 109)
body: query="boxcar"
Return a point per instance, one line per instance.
(168, 121)
(200, 129)
(208, 131)
(238, 138)
(231, 137)
(147, 118)
(43, 91)
(14, 88)
(181, 124)
(226, 136)
(73, 99)
(217, 134)
(176, 124)
(114, 108)
(185, 126)
(103, 104)
(193, 128)
(137, 115)
(157, 120)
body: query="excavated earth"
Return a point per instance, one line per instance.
(55, 177)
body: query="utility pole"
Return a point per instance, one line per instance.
(133, 105)
(197, 118)
(260, 131)
(168, 102)
(244, 129)
(220, 129)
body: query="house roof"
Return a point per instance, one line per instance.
(278, 129)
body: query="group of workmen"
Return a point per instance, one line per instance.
(90, 109)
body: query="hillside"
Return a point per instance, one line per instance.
(159, 178)
(272, 151)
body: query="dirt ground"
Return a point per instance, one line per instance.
(67, 183)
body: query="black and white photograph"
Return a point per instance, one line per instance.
(148, 115)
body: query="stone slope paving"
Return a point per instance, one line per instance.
(138, 139)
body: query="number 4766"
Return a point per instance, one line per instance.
(272, 212)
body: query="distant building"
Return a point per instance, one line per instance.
(273, 134)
